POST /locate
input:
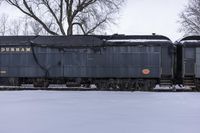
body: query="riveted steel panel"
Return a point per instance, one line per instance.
(108, 58)
(22, 64)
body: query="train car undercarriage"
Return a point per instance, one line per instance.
(108, 84)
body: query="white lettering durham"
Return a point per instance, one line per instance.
(17, 49)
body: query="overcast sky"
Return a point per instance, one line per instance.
(151, 16)
(143, 17)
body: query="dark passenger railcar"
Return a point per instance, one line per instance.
(188, 61)
(117, 62)
(14, 51)
(143, 61)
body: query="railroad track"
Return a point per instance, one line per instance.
(64, 88)
(50, 88)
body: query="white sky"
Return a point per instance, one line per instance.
(143, 17)
(151, 16)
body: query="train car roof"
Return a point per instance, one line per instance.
(15, 39)
(85, 40)
(134, 37)
(190, 41)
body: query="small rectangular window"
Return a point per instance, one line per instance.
(189, 53)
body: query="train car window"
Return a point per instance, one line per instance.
(189, 53)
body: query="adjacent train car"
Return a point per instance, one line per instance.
(188, 61)
(116, 62)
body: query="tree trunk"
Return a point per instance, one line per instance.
(70, 29)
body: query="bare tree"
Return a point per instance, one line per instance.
(3, 24)
(15, 27)
(25, 30)
(60, 16)
(190, 18)
(20, 26)
(9, 27)
(35, 27)
(1, 1)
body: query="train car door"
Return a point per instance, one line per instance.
(197, 68)
(189, 61)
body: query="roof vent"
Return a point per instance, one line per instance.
(118, 34)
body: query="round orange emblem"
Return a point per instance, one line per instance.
(146, 71)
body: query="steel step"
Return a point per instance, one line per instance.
(166, 82)
(189, 82)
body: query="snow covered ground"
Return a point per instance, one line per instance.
(99, 112)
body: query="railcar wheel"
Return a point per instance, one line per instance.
(126, 86)
(36, 84)
(85, 85)
(46, 84)
(120, 87)
(113, 87)
(41, 83)
(97, 86)
(145, 86)
(103, 86)
(14, 82)
(138, 86)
